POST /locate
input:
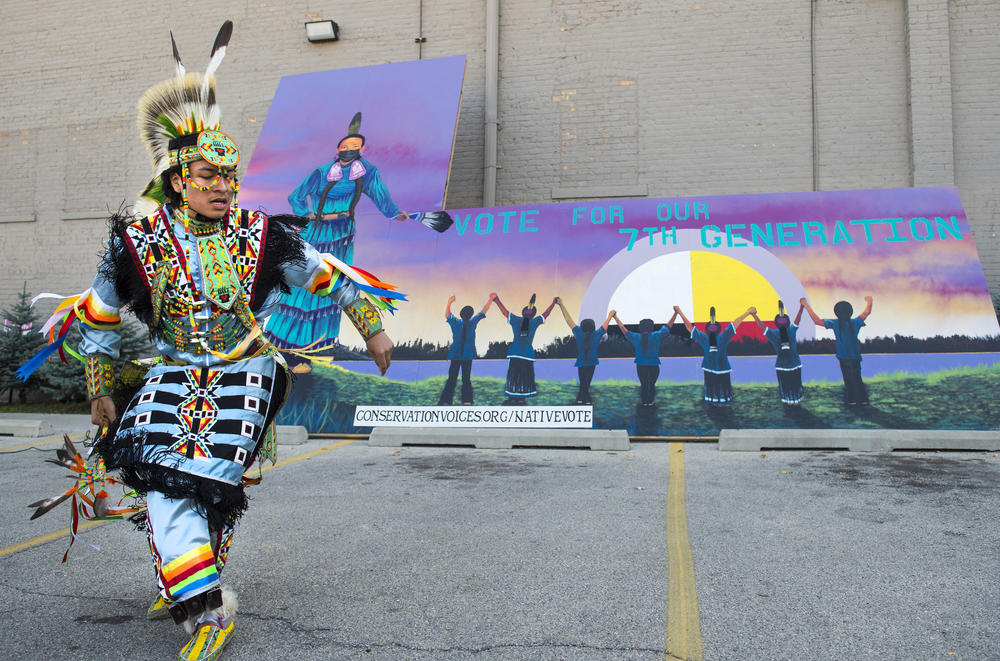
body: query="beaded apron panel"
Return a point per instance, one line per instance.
(207, 421)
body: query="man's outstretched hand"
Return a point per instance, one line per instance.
(380, 348)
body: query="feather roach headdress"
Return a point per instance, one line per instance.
(179, 123)
(354, 129)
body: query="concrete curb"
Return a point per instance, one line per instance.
(856, 440)
(25, 428)
(501, 439)
(291, 434)
(49, 424)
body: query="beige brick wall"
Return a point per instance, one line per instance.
(929, 77)
(861, 92)
(597, 98)
(975, 77)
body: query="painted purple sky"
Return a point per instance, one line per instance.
(408, 109)
(921, 287)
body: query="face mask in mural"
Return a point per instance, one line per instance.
(348, 155)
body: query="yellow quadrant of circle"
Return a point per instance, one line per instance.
(731, 286)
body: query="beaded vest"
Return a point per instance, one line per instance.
(213, 314)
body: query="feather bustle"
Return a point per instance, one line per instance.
(70, 449)
(145, 206)
(47, 504)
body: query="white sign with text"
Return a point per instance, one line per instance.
(581, 417)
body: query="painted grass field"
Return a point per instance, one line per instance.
(964, 398)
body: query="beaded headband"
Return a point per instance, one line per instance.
(213, 146)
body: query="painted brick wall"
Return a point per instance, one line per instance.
(628, 96)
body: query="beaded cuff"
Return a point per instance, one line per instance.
(100, 375)
(365, 317)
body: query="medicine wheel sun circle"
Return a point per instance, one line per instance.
(694, 280)
(646, 281)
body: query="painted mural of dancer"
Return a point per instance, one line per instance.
(714, 343)
(647, 354)
(521, 354)
(587, 338)
(787, 365)
(462, 351)
(845, 330)
(329, 196)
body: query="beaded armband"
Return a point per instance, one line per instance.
(100, 374)
(365, 317)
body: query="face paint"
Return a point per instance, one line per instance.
(207, 190)
(219, 151)
(229, 174)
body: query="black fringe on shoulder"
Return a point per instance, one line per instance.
(219, 503)
(282, 245)
(298, 222)
(120, 270)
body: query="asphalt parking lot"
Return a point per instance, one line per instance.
(357, 552)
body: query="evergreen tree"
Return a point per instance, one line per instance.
(19, 341)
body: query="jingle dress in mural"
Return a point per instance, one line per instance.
(718, 388)
(787, 364)
(301, 317)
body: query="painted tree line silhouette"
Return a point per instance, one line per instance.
(616, 346)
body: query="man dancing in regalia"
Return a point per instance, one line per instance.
(202, 274)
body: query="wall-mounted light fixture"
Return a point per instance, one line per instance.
(322, 31)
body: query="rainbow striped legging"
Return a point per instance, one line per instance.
(188, 556)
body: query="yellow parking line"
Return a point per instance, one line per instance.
(683, 622)
(36, 541)
(310, 454)
(14, 548)
(31, 445)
